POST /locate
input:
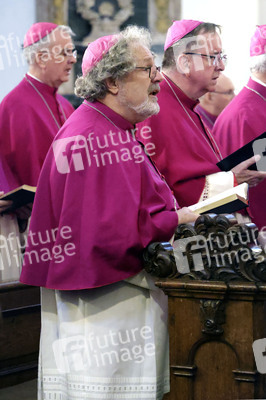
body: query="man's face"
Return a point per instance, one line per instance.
(204, 70)
(137, 91)
(58, 59)
(223, 94)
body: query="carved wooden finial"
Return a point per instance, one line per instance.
(216, 247)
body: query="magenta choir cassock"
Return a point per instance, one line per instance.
(241, 121)
(7, 180)
(99, 203)
(114, 202)
(207, 118)
(31, 115)
(184, 150)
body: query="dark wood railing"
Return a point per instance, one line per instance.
(215, 277)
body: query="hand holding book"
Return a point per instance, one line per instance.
(244, 174)
(186, 215)
(243, 162)
(227, 202)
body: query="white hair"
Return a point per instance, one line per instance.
(258, 63)
(30, 51)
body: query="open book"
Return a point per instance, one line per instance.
(20, 196)
(240, 155)
(227, 202)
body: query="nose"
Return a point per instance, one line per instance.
(158, 77)
(72, 59)
(220, 65)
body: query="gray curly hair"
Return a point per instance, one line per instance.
(31, 51)
(116, 63)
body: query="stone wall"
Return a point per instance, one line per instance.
(90, 19)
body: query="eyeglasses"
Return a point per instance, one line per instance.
(230, 92)
(213, 59)
(152, 74)
(69, 53)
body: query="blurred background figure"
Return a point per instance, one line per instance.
(213, 103)
(30, 116)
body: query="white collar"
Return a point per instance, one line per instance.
(258, 81)
(34, 77)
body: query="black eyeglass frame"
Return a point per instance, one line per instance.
(214, 57)
(157, 69)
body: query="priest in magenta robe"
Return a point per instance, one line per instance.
(183, 148)
(245, 119)
(33, 112)
(100, 201)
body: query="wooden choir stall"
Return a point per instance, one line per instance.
(215, 277)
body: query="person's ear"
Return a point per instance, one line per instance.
(182, 64)
(41, 58)
(112, 85)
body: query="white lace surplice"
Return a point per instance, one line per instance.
(105, 343)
